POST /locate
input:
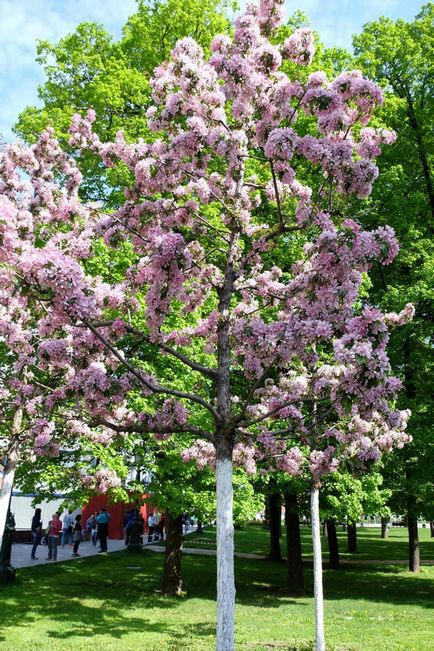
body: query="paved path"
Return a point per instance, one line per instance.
(21, 554)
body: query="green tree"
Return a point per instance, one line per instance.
(400, 56)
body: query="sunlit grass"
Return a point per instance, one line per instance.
(255, 540)
(114, 603)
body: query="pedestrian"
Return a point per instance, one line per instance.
(46, 532)
(128, 519)
(89, 526)
(162, 526)
(53, 536)
(103, 520)
(151, 526)
(36, 533)
(94, 529)
(157, 517)
(68, 526)
(76, 532)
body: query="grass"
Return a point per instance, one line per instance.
(113, 603)
(255, 540)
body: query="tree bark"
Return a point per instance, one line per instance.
(9, 473)
(317, 571)
(293, 545)
(172, 575)
(413, 544)
(384, 528)
(332, 540)
(225, 556)
(431, 526)
(199, 528)
(352, 537)
(275, 510)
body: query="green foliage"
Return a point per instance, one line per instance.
(88, 69)
(151, 33)
(345, 497)
(399, 55)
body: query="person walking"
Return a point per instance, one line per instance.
(157, 517)
(128, 520)
(94, 523)
(36, 533)
(77, 535)
(89, 526)
(151, 526)
(68, 526)
(162, 526)
(103, 520)
(53, 536)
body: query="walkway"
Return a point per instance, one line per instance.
(21, 554)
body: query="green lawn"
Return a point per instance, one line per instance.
(113, 603)
(255, 540)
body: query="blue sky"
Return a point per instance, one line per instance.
(22, 22)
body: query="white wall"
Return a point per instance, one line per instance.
(21, 507)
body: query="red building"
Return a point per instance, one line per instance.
(117, 512)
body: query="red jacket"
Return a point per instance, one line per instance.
(56, 527)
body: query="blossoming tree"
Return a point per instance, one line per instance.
(207, 315)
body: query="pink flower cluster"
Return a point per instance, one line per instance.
(299, 47)
(102, 481)
(203, 233)
(43, 444)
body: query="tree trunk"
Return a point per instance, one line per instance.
(352, 537)
(172, 576)
(225, 556)
(293, 545)
(317, 571)
(199, 528)
(332, 540)
(9, 473)
(431, 526)
(275, 510)
(266, 523)
(413, 544)
(384, 528)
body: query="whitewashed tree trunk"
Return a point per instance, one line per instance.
(9, 472)
(225, 557)
(5, 495)
(317, 571)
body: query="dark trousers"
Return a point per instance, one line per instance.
(76, 545)
(36, 539)
(102, 536)
(150, 533)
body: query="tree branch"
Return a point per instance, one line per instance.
(200, 368)
(271, 412)
(143, 429)
(276, 192)
(155, 388)
(256, 386)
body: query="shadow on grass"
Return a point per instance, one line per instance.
(91, 595)
(100, 595)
